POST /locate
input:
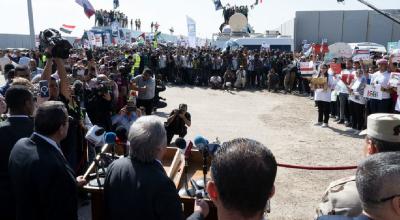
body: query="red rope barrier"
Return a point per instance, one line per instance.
(316, 168)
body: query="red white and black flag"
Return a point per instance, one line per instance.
(67, 28)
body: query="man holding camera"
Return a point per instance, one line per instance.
(176, 123)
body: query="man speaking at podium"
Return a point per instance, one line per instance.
(137, 187)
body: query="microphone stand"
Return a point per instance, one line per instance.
(205, 156)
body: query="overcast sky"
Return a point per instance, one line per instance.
(168, 13)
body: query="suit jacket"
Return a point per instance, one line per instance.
(11, 130)
(44, 184)
(136, 190)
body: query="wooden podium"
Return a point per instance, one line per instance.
(173, 163)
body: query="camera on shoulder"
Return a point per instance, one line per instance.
(51, 37)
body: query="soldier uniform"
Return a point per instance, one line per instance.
(341, 198)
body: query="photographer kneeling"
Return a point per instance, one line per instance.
(176, 123)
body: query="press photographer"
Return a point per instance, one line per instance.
(99, 104)
(176, 123)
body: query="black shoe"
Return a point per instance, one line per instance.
(336, 120)
(341, 122)
(347, 124)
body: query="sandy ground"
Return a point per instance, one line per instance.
(283, 123)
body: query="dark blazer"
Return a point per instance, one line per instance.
(11, 130)
(136, 190)
(44, 184)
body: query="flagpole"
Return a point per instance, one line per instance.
(31, 27)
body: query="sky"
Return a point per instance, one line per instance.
(168, 13)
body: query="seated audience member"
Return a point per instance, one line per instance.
(243, 173)
(341, 197)
(137, 187)
(378, 184)
(43, 183)
(177, 121)
(18, 125)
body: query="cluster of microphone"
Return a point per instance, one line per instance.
(198, 189)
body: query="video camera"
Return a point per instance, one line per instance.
(51, 37)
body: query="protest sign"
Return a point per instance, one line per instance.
(373, 92)
(341, 50)
(361, 55)
(394, 79)
(392, 46)
(336, 68)
(396, 55)
(306, 68)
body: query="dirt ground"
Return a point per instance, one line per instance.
(283, 123)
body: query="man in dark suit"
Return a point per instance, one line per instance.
(44, 184)
(137, 187)
(20, 106)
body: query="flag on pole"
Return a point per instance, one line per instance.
(87, 7)
(156, 35)
(116, 4)
(191, 24)
(217, 4)
(67, 28)
(143, 35)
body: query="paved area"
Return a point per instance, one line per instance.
(283, 123)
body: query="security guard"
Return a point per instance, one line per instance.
(136, 64)
(341, 197)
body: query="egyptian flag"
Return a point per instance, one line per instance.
(67, 28)
(87, 7)
(217, 4)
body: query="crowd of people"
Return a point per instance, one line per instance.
(117, 89)
(340, 95)
(106, 18)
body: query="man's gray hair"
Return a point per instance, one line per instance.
(377, 179)
(147, 136)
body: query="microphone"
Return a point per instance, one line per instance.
(188, 150)
(181, 144)
(201, 143)
(110, 138)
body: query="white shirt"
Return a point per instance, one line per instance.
(24, 61)
(383, 80)
(324, 95)
(50, 141)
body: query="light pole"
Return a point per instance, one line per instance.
(31, 26)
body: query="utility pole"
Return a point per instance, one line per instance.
(388, 15)
(31, 26)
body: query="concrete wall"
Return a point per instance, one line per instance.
(287, 28)
(345, 26)
(20, 41)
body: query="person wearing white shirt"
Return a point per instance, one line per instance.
(322, 95)
(24, 60)
(381, 77)
(357, 102)
(345, 77)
